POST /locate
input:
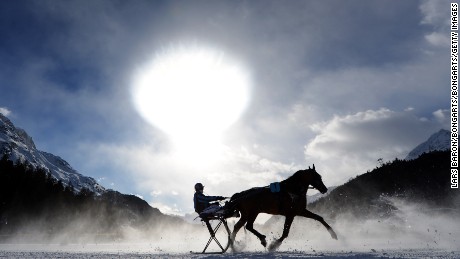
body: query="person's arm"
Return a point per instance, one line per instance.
(205, 199)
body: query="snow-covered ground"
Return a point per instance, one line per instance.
(413, 232)
(97, 251)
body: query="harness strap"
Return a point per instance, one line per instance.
(275, 187)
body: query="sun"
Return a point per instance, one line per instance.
(192, 94)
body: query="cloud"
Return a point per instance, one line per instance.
(348, 145)
(167, 178)
(443, 117)
(438, 39)
(5, 111)
(435, 14)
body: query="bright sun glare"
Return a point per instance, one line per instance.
(192, 94)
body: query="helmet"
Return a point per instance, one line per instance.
(199, 187)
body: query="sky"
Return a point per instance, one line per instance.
(151, 97)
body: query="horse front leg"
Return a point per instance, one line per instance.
(287, 226)
(308, 214)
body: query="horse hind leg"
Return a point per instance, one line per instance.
(250, 227)
(287, 226)
(236, 228)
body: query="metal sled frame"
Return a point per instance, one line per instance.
(213, 231)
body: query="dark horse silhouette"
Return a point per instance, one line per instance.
(289, 201)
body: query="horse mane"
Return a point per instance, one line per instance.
(293, 182)
(293, 178)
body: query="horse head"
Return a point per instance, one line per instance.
(314, 179)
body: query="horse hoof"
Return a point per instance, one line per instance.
(263, 241)
(333, 235)
(274, 246)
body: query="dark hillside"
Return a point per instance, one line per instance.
(425, 180)
(32, 201)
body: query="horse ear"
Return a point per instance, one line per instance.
(309, 168)
(313, 166)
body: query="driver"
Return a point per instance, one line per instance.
(202, 202)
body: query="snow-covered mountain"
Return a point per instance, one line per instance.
(19, 146)
(439, 141)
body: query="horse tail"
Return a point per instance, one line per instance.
(232, 204)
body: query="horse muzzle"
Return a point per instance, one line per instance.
(323, 190)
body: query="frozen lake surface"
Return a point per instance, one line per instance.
(97, 251)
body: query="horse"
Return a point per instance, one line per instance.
(289, 200)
